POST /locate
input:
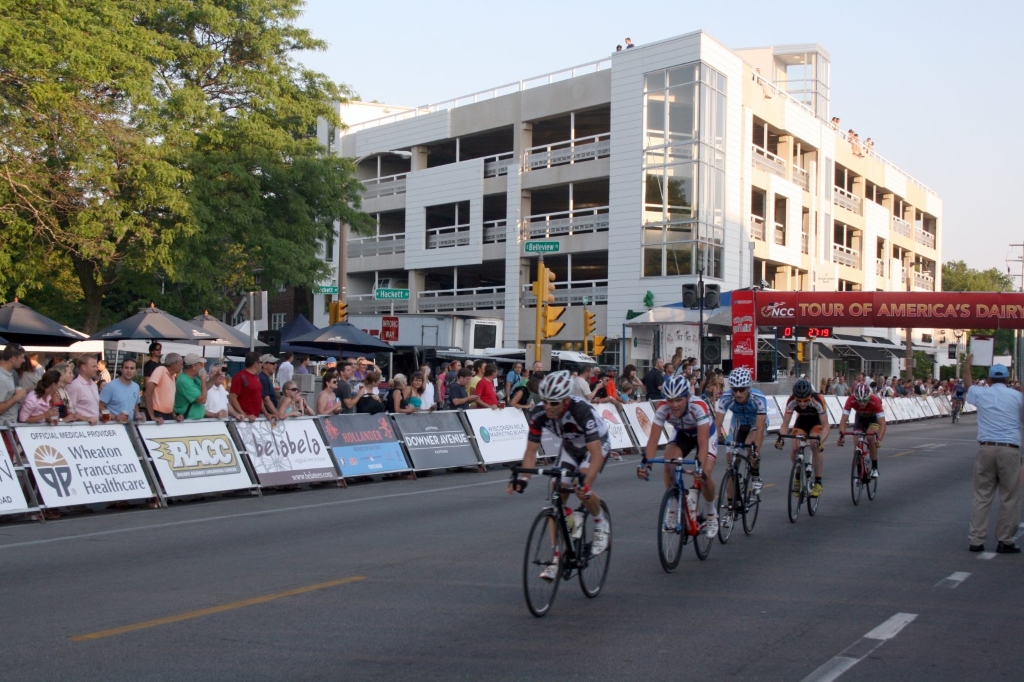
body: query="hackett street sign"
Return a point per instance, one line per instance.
(391, 294)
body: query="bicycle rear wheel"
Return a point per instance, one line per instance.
(857, 477)
(871, 484)
(726, 509)
(671, 520)
(812, 502)
(796, 490)
(593, 569)
(540, 593)
(701, 542)
(751, 503)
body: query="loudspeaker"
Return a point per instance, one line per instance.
(712, 349)
(765, 370)
(271, 337)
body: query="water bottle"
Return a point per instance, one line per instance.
(691, 502)
(576, 524)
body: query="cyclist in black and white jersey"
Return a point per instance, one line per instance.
(585, 446)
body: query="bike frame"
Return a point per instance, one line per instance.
(679, 471)
(557, 506)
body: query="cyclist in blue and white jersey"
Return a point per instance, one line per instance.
(690, 416)
(749, 409)
(959, 393)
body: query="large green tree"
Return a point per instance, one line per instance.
(162, 149)
(957, 276)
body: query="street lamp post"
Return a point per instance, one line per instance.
(958, 334)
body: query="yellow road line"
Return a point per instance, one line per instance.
(768, 485)
(214, 609)
(900, 454)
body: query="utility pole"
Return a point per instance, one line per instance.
(1018, 338)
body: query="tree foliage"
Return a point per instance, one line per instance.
(162, 150)
(956, 276)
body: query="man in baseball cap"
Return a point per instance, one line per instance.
(190, 388)
(269, 363)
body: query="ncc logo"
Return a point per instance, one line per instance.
(777, 310)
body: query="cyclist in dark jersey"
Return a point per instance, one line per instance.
(811, 420)
(870, 421)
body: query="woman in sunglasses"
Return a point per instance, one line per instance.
(292, 404)
(327, 402)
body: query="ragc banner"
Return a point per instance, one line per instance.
(196, 457)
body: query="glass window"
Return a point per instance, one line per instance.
(681, 121)
(681, 198)
(652, 261)
(656, 114)
(654, 194)
(653, 235)
(682, 74)
(655, 81)
(679, 259)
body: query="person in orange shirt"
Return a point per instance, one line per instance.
(160, 389)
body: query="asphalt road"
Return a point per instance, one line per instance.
(421, 580)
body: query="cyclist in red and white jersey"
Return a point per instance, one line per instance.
(870, 419)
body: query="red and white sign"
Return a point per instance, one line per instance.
(744, 333)
(389, 328)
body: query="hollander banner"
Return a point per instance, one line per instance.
(641, 418)
(194, 457)
(287, 452)
(83, 464)
(436, 440)
(943, 310)
(364, 444)
(12, 499)
(500, 434)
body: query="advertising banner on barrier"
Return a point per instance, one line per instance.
(835, 408)
(364, 444)
(776, 405)
(641, 418)
(744, 333)
(890, 411)
(617, 433)
(12, 499)
(82, 464)
(289, 452)
(436, 440)
(194, 457)
(500, 434)
(641, 343)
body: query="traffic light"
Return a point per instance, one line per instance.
(598, 346)
(800, 351)
(538, 284)
(589, 323)
(550, 326)
(338, 312)
(951, 353)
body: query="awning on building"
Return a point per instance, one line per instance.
(785, 347)
(824, 351)
(865, 352)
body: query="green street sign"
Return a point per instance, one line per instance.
(325, 290)
(541, 247)
(391, 294)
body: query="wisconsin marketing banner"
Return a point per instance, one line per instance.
(436, 440)
(192, 458)
(83, 464)
(12, 499)
(287, 452)
(500, 434)
(364, 444)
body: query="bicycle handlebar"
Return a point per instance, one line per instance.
(548, 471)
(800, 437)
(678, 460)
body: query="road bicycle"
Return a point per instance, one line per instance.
(678, 518)
(736, 496)
(956, 406)
(569, 533)
(860, 474)
(801, 479)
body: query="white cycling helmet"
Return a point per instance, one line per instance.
(740, 378)
(675, 386)
(556, 386)
(862, 393)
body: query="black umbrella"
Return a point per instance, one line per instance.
(297, 327)
(153, 323)
(226, 336)
(21, 324)
(343, 337)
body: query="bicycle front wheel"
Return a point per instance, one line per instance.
(796, 490)
(702, 543)
(857, 477)
(812, 502)
(540, 554)
(593, 569)
(751, 503)
(671, 530)
(729, 490)
(871, 484)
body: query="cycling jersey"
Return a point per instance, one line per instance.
(744, 414)
(873, 409)
(814, 408)
(959, 393)
(697, 413)
(579, 424)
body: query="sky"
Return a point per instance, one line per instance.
(934, 84)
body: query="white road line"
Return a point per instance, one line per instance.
(954, 580)
(861, 649)
(986, 556)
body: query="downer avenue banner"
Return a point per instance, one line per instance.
(82, 464)
(943, 310)
(287, 452)
(436, 440)
(364, 444)
(194, 457)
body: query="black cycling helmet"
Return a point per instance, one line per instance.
(802, 389)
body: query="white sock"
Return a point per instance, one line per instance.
(599, 519)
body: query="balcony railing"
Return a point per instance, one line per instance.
(366, 304)
(569, 151)
(901, 226)
(924, 237)
(384, 187)
(377, 245)
(923, 280)
(880, 267)
(757, 227)
(802, 178)
(764, 159)
(846, 199)
(495, 231)
(479, 298)
(780, 234)
(572, 293)
(498, 164)
(846, 255)
(446, 237)
(581, 220)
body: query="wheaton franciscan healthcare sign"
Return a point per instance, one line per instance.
(84, 464)
(956, 310)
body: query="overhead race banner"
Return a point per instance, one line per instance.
(932, 309)
(641, 417)
(500, 434)
(616, 424)
(12, 499)
(194, 457)
(436, 440)
(83, 464)
(744, 332)
(287, 452)
(364, 444)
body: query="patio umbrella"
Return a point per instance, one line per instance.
(297, 327)
(343, 336)
(153, 323)
(21, 324)
(226, 335)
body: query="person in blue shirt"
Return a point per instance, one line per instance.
(1000, 409)
(120, 397)
(749, 409)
